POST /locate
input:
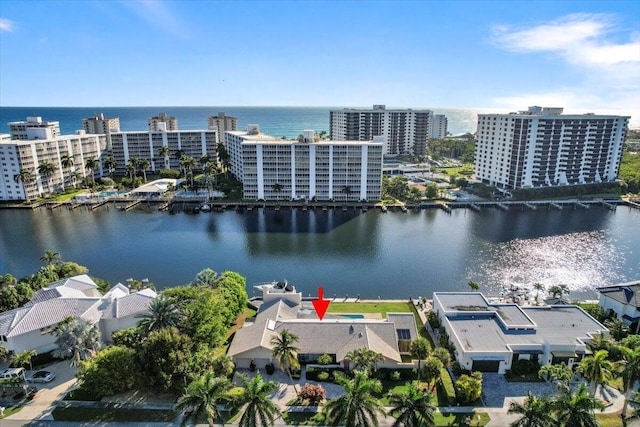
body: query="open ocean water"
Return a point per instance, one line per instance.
(276, 121)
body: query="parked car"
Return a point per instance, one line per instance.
(41, 377)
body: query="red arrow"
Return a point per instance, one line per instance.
(321, 304)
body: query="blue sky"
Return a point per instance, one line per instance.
(584, 56)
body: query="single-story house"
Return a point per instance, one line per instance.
(336, 335)
(624, 300)
(489, 337)
(29, 327)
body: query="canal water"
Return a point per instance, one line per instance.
(372, 254)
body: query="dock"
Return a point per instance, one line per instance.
(556, 206)
(581, 205)
(132, 204)
(445, 207)
(530, 206)
(608, 206)
(502, 206)
(403, 208)
(632, 204)
(474, 207)
(166, 205)
(97, 205)
(383, 208)
(55, 205)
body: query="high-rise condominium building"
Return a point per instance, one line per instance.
(543, 147)
(34, 128)
(439, 126)
(403, 131)
(101, 124)
(162, 122)
(222, 123)
(49, 165)
(275, 169)
(162, 149)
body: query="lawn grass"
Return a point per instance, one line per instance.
(477, 419)
(305, 418)
(69, 196)
(10, 411)
(370, 307)
(457, 171)
(112, 415)
(608, 420)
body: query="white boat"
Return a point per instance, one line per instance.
(205, 208)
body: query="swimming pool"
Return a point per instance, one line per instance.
(352, 316)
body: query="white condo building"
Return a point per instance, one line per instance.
(34, 128)
(99, 124)
(275, 169)
(403, 131)
(543, 147)
(162, 122)
(439, 126)
(29, 155)
(147, 145)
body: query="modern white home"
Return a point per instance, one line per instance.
(29, 327)
(623, 299)
(489, 337)
(283, 309)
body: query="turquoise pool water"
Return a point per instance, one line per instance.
(352, 316)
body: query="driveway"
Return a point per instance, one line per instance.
(42, 404)
(496, 389)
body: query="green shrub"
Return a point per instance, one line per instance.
(323, 376)
(325, 359)
(395, 376)
(446, 383)
(170, 173)
(270, 369)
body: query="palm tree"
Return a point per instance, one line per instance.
(67, 160)
(357, 407)
(50, 257)
(577, 409)
(46, 169)
(561, 374)
(602, 341)
(285, 351)
(23, 176)
(346, 190)
(617, 328)
(363, 359)
(598, 370)
(110, 163)
(131, 167)
(630, 368)
(77, 340)
(188, 163)
(203, 396)
(538, 287)
(144, 165)
(7, 280)
(223, 156)
(91, 164)
(473, 285)
(420, 350)
(259, 409)
(556, 291)
(443, 355)
(165, 152)
(536, 411)
(23, 358)
(4, 352)
(432, 371)
(162, 313)
(412, 408)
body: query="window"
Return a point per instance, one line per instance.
(403, 334)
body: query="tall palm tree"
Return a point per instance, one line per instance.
(598, 370)
(420, 350)
(443, 355)
(561, 374)
(67, 161)
(473, 285)
(617, 328)
(50, 257)
(203, 396)
(277, 187)
(46, 169)
(432, 370)
(412, 408)
(24, 358)
(223, 156)
(536, 411)
(285, 351)
(577, 409)
(602, 341)
(164, 152)
(110, 164)
(144, 165)
(538, 287)
(77, 340)
(357, 407)
(7, 280)
(188, 163)
(91, 164)
(259, 409)
(131, 167)
(23, 176)
(630, 350)
(557, 291)
(162, 313)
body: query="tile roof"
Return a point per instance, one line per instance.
(625, 293)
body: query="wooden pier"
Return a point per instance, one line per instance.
(132, 204)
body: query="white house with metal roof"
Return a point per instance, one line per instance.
(29, 327)
(622, 299)
(490, 337)
(335, 335)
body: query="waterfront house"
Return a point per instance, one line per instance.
(622, 299)
(29, 327)
(283, 309)
(490, 337)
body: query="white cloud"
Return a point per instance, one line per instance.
(156, 14)
(608, 69)
(6, 25)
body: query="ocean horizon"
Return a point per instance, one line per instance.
(276, 120)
